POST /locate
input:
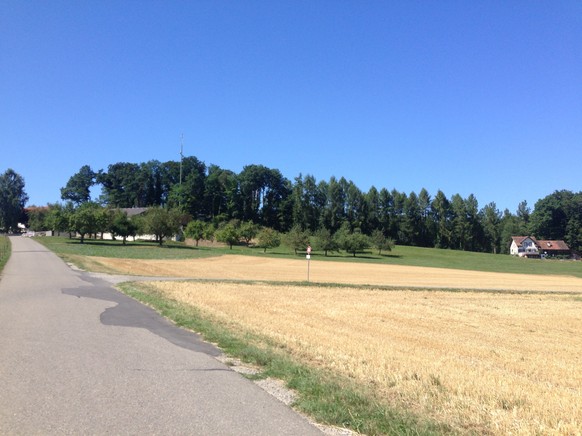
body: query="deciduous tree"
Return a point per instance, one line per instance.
(296, 238)
(352, 241)
(162, 222)
(221, 193)
(37, 217)
(268, 238)
(228, 233)
(58, 218)
(122, 225)
(78, 188)
(195, 230)
(381, 242)
(85, 220)
(120, 185)
(13, 198)
(248, 231)
(324, 241)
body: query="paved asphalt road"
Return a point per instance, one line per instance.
(77, 357)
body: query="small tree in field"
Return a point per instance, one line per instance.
(381, 242)
(269, 238)
(122, 226)
(248, 231)
(209, 232)
(195, 230)
(104, 220)
(162, 223)
(297, 239)
(352, 242)
(325, 241)
(85, 220)
(356, 242)
(58, 218)
(228, 233)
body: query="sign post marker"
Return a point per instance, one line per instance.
(308, 257)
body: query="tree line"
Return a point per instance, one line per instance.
(264, 197)
(93, 220)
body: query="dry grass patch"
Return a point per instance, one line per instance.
(480, 362)
(270, 269)
(90, 263)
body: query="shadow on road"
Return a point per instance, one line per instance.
(130, 313)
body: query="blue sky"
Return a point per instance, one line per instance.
(462, 96)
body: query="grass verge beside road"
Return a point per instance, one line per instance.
(5, 250)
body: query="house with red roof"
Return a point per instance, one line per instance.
(528, 246)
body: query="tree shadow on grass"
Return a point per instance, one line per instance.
(130, 244)
(360, 256)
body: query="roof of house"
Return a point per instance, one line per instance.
(553, 245)
(132, 211)
(519, 239)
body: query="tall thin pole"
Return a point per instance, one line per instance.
(308, 257)
(181, 156)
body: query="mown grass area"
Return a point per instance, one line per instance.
(487, 262)
(401, 255)
(131, 250)
(327, 397)
(5, 250)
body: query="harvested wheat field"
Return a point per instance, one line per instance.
(270, 269)
(481, 362)
(484, 363)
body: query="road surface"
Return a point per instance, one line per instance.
(77, 357)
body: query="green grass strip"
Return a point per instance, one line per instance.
(326, 397)
(5, 251)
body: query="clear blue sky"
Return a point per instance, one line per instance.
(463, 96)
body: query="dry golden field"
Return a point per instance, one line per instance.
(482, 362)
(258, 268)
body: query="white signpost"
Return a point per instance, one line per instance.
(308, 257)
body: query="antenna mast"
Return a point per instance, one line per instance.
(181, 156)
